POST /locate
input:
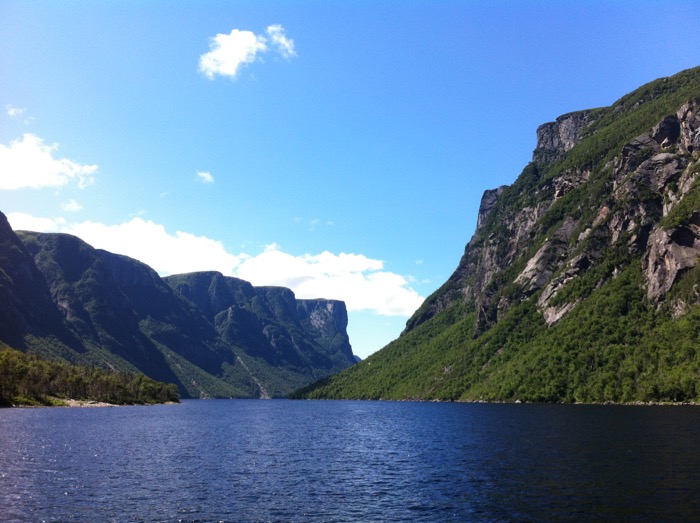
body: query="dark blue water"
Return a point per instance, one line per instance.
(254, 461)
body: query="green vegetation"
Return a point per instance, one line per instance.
(612, 347)
(29, 380)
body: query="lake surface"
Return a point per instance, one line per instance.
(313, 461)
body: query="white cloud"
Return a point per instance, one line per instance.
(14, 112)
(71, 206)
(150, 243)
(205, 177)
(229, 52)
(356, 279)
(313, 223)
(26, 222)
(361, 282)
(29, 163)
(284, 45)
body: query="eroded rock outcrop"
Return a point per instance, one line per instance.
(554, 139)
(670, 252)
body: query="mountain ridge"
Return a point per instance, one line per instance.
(65, 300)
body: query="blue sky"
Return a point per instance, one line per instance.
(337, 148)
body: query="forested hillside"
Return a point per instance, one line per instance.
(28, 380)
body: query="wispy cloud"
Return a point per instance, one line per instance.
(205, 177)
(71, 206)
(313, 223)
(14, 112)
(360, 281)
(284, 45)
(29, 163)
(229, 52)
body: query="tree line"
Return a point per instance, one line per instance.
(26, 379)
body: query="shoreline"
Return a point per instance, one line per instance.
(81, 404)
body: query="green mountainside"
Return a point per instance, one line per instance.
(581, 282)
(64, 300)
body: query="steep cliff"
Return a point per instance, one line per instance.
(576, 274)
(210, 335)
(271, 331)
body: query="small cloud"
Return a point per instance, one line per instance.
(71, 206)
(205, 177)
(229, 52)
(29, 163)
(313, 223)
(419, 262)
(14, 112)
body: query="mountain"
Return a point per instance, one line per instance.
(282, 341)
(211, 335)
(581, 282)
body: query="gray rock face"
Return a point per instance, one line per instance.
(488, 200)
(669, 254)
(689, 121)
(670, 251)
(650, 177)
(653, 173)
(569, 181)
(327, 320)
(554, 139)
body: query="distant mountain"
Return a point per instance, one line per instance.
(581, 282)
(282, 341)
(211, 335)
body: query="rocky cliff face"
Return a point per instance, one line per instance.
(269, 323)
(555, 139)
(210, 335)
(649, 178)
(581, 281)
(327, 320)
